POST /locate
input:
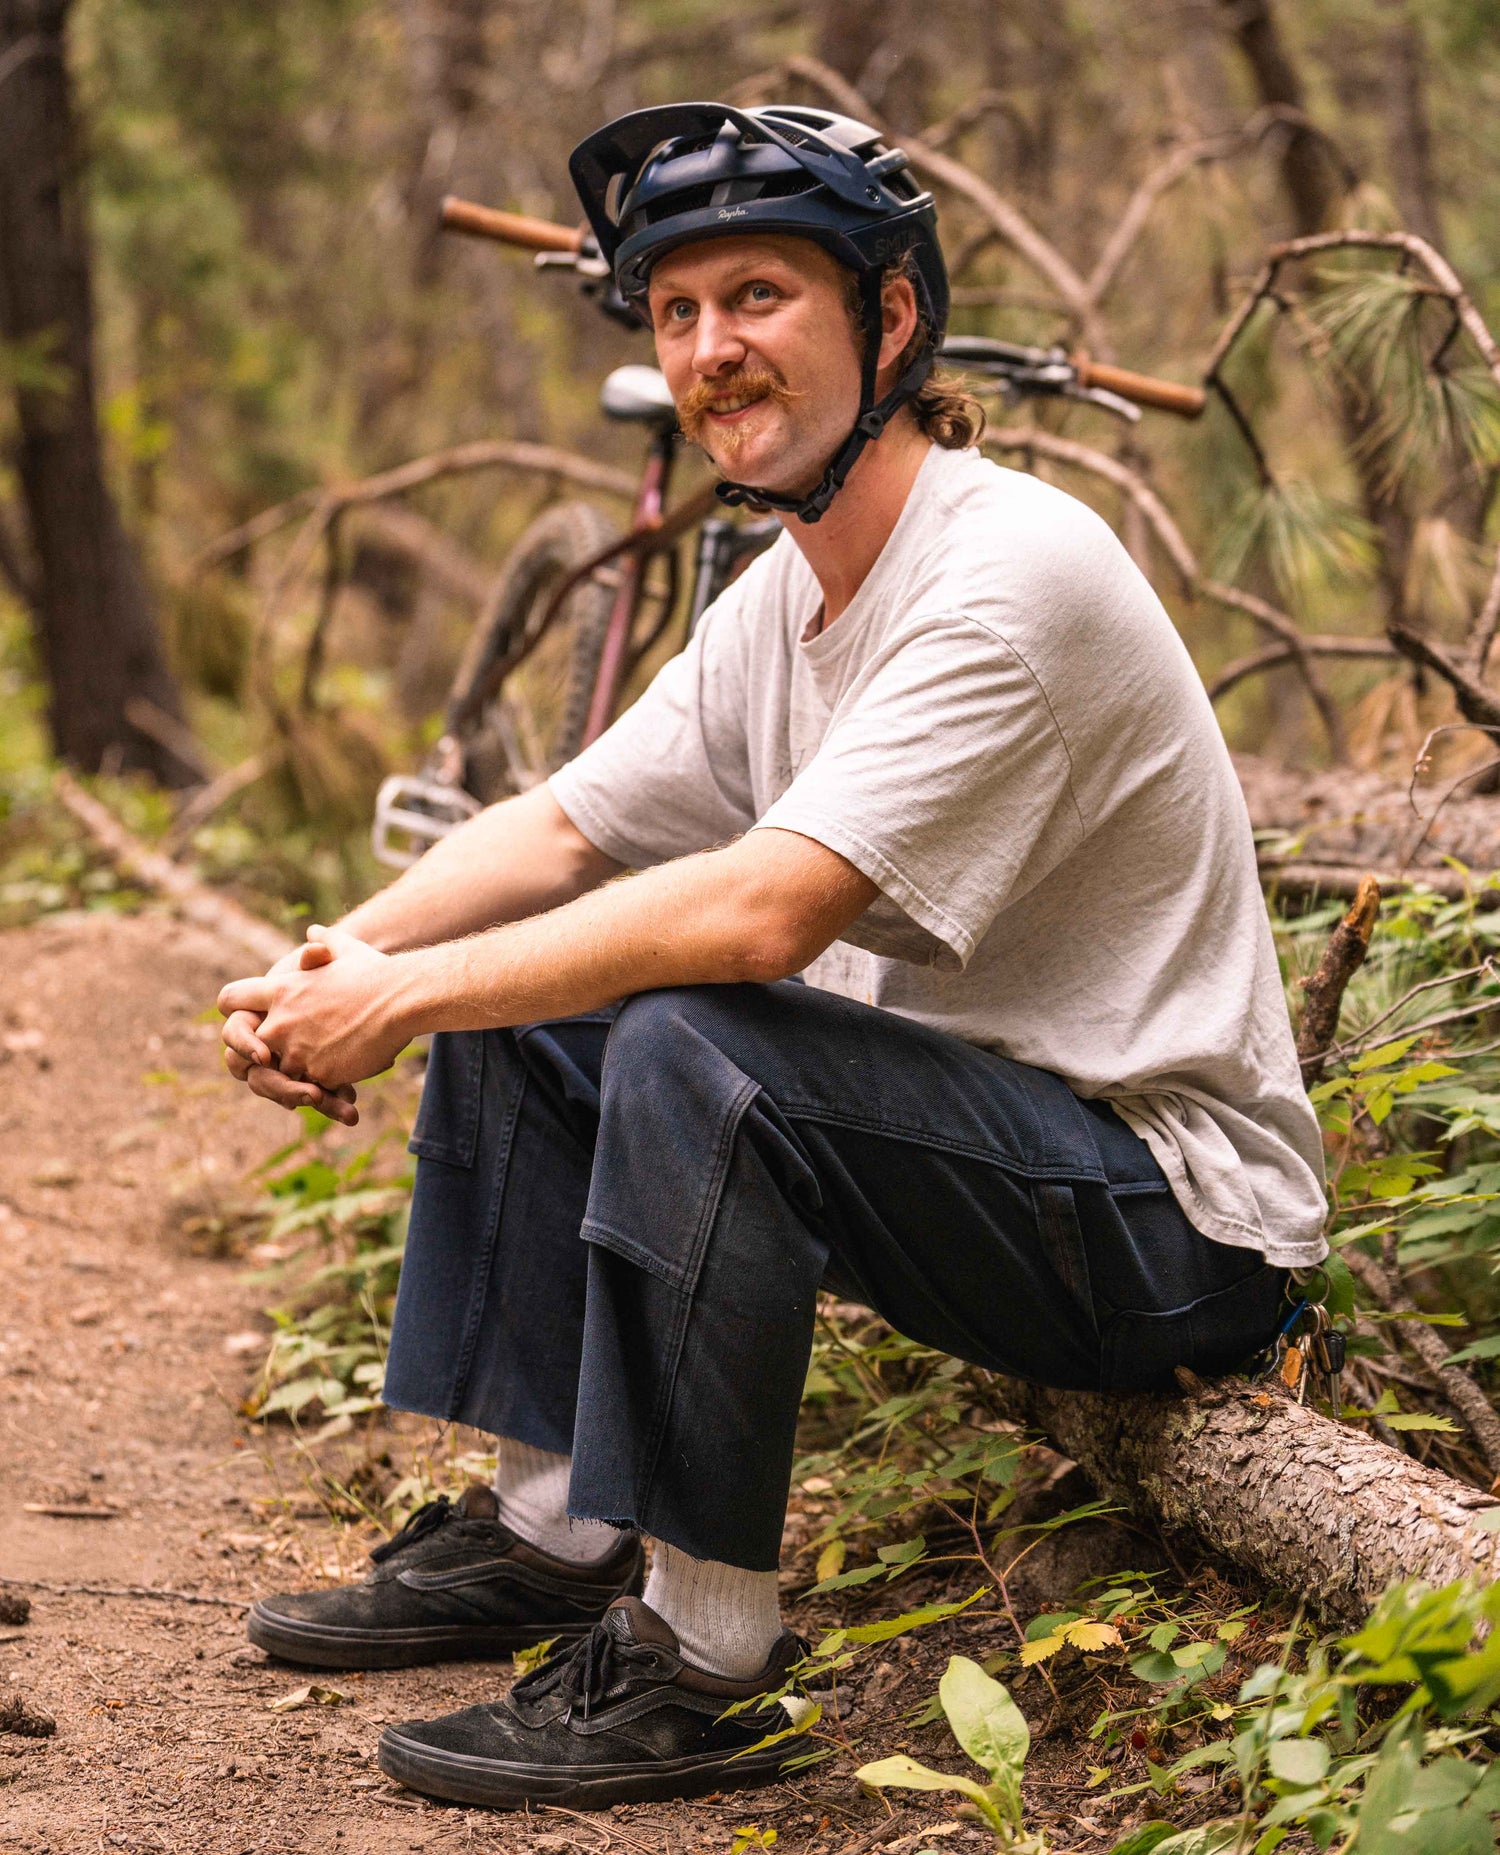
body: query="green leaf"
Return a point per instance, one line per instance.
(1422, 1420)
(901, 1773)
(986, 1722)
(910, 1619)
(862, 1574)
(1383, 1057)
(1143, 1839)
(1301, 1762)
(1486, 1348)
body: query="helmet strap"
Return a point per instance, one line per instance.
(871, 422)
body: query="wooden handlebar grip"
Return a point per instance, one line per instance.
(509, 228)
(1165, 395)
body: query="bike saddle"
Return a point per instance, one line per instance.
(639, 394)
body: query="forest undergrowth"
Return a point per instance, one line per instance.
(1225, 1717)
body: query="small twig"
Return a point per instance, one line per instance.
(1482, 636)
(160, 1592)
(609, 1833)
(1459, 1386)
(167, 731)
(873, 1838)
(1324, 988)
(1270, 656)
(215, 795)
(1426, 985)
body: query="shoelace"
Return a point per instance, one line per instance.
(584, 1674)
(425, 1520)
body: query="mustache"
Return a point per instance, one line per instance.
(750, 383)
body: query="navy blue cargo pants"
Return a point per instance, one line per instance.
(621, 1222)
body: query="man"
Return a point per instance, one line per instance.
(939, 752)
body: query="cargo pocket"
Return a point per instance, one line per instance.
(447, 1127)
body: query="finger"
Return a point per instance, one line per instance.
(273, 1086)
(239, 1035)
(315, 954)
(335, 939)
(247, 995)
(238, 1066)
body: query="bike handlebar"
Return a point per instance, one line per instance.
(542, 235)
(1165, 395)
(508, 228)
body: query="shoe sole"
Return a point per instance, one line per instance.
(460, 1778)
(324, 1645)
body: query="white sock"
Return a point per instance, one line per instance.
(531, 1486)
(725, 1619)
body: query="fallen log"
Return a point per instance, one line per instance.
(1314, 1507)
(192, 898)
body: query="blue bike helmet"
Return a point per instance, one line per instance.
(664, 177)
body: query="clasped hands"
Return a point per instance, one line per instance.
(323, 1018)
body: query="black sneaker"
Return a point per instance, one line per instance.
(618, 1718)
(453, 1585)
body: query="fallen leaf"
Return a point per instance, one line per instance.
(311, 1696)
(56, 1172)
(88, 1314)
(248, 1342)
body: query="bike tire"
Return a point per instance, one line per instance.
(551, 689)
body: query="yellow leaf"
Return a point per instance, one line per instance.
(1091, 1636)
(1038, 1651)
(831, 1559)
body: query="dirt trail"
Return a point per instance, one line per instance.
(119, 1390)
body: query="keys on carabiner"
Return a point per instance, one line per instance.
(1331, 1349)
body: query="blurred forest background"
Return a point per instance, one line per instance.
(253, 301)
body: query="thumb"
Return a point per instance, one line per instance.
(314, 954)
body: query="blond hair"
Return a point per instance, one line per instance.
(944, 411)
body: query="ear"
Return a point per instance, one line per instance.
(898, 323)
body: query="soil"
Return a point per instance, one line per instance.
(126, 1349)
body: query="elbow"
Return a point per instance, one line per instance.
(775, 947)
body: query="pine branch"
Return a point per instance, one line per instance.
(1272, 656)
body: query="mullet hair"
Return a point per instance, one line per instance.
(944, 410)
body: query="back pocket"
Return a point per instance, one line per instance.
(447, 1126)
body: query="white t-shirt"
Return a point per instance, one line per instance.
(1004, 733)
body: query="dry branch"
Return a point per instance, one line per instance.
(1325, 986)
(486, 454)
(1304, 878)
(1272, 656)
(1459, 1387)
(194, 899)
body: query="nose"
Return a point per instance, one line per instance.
(718, 346)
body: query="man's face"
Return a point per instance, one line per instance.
(754, 337)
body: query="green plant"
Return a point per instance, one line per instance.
(989, 1726)
(1388, 1750)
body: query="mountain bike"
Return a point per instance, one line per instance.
(580, 604)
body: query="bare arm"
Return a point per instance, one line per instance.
(518, 858)
(759, 909)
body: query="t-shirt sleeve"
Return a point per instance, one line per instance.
(944, 778)
(672, 775)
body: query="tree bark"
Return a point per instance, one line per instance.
(97, 633)
(1312, 1507)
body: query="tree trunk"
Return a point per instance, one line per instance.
(98, 639)
(1326, 1512)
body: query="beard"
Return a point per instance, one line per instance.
(751, 383)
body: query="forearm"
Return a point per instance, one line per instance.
(515, 859)
(711, 919)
